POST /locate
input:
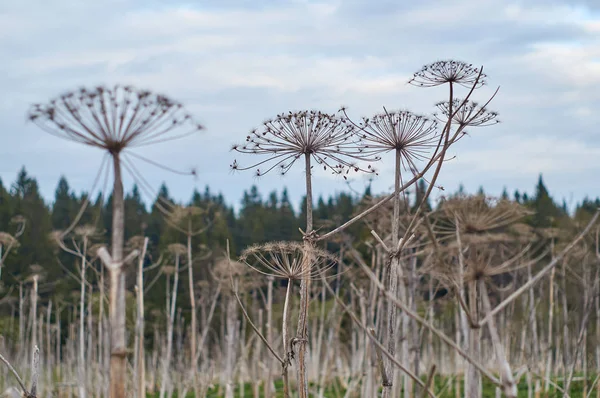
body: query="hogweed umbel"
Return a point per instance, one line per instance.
(113, 118)
(448, 71)
(411, 135)
(469, 114)
(285, 260)
(328, 139)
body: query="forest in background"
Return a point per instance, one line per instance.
(261, 218)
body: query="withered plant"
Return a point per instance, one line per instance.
(415, 139)
(331, 143)
(115, 119)
(176, 250)
(286, 260)
(79, 241)
(411, 137)
(191, 221)
(140, 244)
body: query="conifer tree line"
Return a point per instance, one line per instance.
(357, 294)
(261, 218)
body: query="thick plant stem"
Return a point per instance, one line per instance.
(509, 386)
(34, 301)
(302, 330)
(118, 362)
(473, 387)
(549, 343)
(193, 324)
(230, 343)
(166, 380)
(533, 324)
(286, 339)
(598, 345)
(81, 365)
(141, 356)
(268, 379)
(392, 283)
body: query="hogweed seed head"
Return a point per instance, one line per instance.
(478, 214)
(177, 249)
(448, 71)
(328, 139)
(410, 134)
(286, 260)
(470, 114)
(181, 214)
(113, 118)
(87, 231)
(136, 243)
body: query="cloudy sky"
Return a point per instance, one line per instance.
(235, 63)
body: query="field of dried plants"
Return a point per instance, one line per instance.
(472, 297)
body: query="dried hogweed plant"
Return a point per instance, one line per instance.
(415, 138)
(479, 245)
(115, 119)
(477, 218)
(330, 142)
(286, 260)
(191, 221)
(411, 137)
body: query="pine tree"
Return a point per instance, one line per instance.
(251, 227)
(135, 213)
(65, 207)
(6, 211)
(517, 196)
(156, 224)
(288, 223)
(546, 211)
(35, 245)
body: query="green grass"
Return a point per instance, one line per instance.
(336, 390)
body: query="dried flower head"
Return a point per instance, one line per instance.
(225, 270)
(203, 284)
(136, 242)
(403, 131)
(7, 239)
(36, 271)
(286, 260)
(86, 231)
(469, 114)
(328, 139)
(478, 214)
(177, 249)
(169, 270)
(183, 213)
(480, 262)
(449, 71)
(113, 118)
